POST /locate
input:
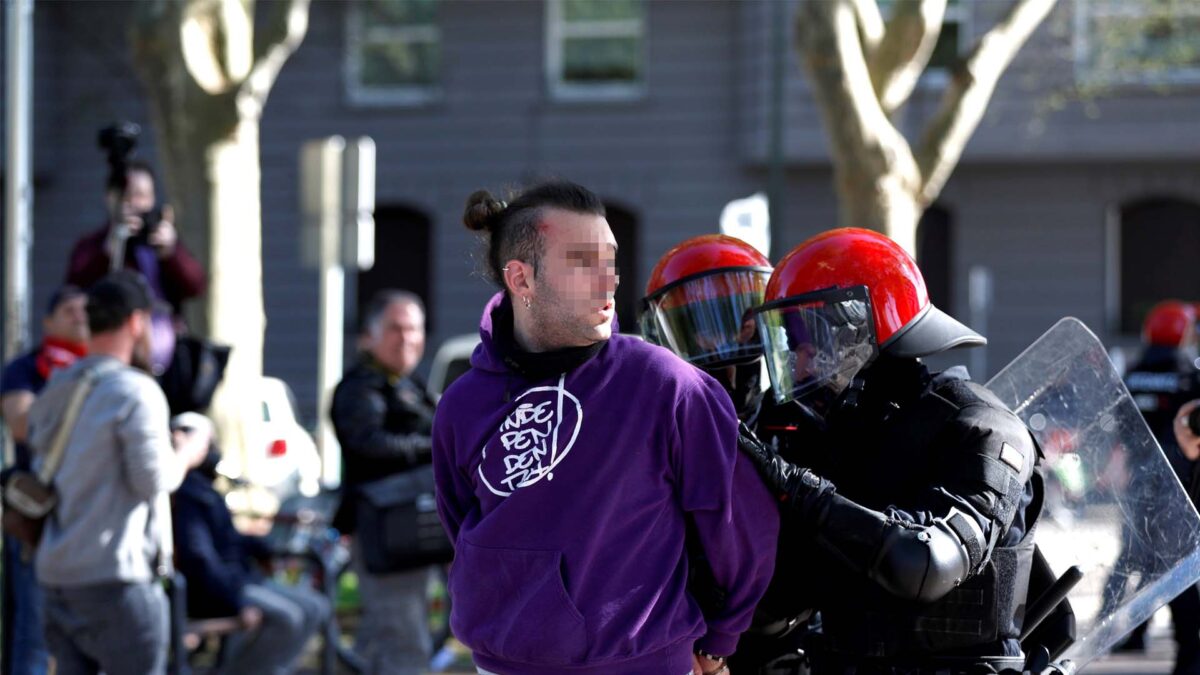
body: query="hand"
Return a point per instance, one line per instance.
(250, 617)
(705, 666)
(789, 482)
(1189, 443)
(779, 474)
(164, 238)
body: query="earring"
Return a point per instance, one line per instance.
(528, 304)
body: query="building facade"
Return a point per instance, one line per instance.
(1070, 206)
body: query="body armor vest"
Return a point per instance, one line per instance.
(982, 615)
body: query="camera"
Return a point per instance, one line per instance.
(1193, 421)
(119, 140)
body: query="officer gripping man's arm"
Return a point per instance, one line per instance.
(919, 554)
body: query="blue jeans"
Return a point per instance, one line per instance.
(24, 647)
(291, 616)
(117, 628)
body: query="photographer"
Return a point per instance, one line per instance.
(142, 236)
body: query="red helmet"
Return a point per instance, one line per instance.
(1169, 324)
(840, 298)
(698, 298)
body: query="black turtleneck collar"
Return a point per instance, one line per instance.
(534, 366)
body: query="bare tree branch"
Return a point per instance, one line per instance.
(864, 143)
(969, 91)
(870, 26)
(274, 42)
(908, 41)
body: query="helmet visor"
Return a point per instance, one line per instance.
(648, 324)
(706, 320)
(816, 343)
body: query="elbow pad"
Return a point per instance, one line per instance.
(922, 564)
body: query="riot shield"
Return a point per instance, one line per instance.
(1113, 507)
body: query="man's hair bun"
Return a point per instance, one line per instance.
(482, 209)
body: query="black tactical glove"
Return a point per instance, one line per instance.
(793, 484)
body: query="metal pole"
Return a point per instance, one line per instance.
(18, 185)
(775, 178)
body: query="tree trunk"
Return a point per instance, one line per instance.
(207, 80)
(882, 203)
(215, 180)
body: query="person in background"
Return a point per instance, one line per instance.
(151, 246)
(218, 563)
(382, 416)
(106, 545)
(64, 339)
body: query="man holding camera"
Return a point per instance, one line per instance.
(146, 238)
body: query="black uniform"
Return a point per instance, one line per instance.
(912, 519)
(383, 424)
(1160, 383)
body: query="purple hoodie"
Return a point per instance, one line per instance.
(568, 500)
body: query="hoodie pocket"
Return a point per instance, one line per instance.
(512, 604)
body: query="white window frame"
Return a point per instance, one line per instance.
(397, 95)
(558, 30)
(1086, 74)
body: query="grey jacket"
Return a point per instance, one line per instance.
(113, 519)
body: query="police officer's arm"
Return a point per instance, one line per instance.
(736, 524)
(920, 552)
(359, 417)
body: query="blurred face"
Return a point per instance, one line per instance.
(68, 321)
(397, 340)
(572, 293)
(139, 194)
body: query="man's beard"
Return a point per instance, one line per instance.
(140, 358)
(556, 327)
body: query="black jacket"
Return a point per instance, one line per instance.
(383, 425)
(210, 553)
(1160, 383)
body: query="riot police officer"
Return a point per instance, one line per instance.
(1161, 382)
(911, 494)
(697, 305)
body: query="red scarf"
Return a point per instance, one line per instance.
(58, 353)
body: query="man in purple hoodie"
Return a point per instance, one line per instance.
(574, 467)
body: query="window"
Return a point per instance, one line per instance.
(624, 224)
(595, 48)
(1137, 41)
(950, 40)
(949, 43)
(1153, 233)
(393, 51)
(403, 251)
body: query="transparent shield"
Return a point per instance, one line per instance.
(1113, 505)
